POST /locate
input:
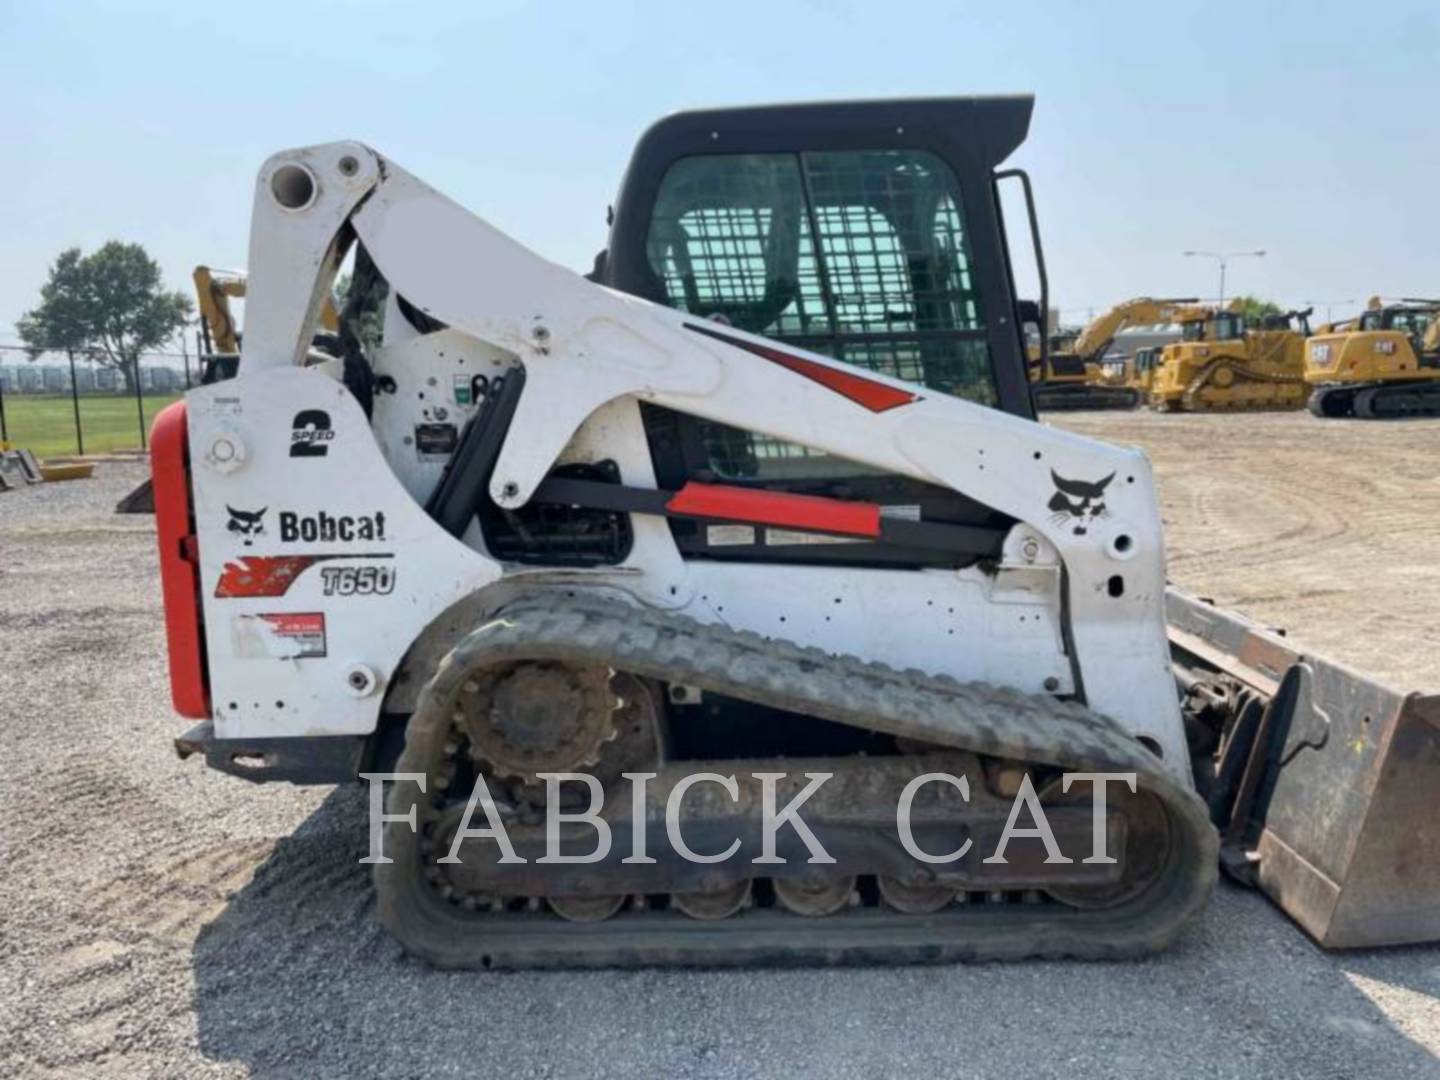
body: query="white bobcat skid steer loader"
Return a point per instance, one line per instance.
(530, 525)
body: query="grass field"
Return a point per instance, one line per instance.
(45, 423)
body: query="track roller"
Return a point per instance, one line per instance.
(815, 895)
(583, 909)
(914, 899)
(715, 904)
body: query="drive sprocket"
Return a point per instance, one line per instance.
(534, 717)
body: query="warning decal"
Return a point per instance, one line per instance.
(287, 635)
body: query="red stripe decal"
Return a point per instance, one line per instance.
(877, 397)
(806, 512)
(179, 563)
(272, 575)
(264, 575)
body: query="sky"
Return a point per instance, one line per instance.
(1304, 129)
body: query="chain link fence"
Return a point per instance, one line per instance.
(59, 403)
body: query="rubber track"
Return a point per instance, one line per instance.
(1322, 396)
(589, 629)
(1378, 402)
(1344, 399)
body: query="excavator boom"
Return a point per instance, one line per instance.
(1098, 336)
(1077, 379)
(214, 290)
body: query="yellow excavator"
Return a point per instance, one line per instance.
(1383, 365)
(219, 334)
(1075, 377)
(1221, 365)
(214, 290)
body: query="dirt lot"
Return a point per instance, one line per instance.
(156, 919)
(1329, 529)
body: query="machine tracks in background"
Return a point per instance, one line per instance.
(438, 913)
(1380, 401)
(1072, 397)
(1229, 374)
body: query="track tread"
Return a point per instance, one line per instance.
(1245, 372)
(584, 628)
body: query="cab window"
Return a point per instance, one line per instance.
(1228, 327)
(1411, 322)
(859, 255)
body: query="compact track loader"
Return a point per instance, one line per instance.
(758, 517)
(1384, 365)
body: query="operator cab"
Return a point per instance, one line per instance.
(870, 232)
(1221, 326)
(1406, 319)
(1299, 321)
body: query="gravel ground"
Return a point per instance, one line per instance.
(162, 920)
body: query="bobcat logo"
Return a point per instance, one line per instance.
(247, 524)
(1079, 501)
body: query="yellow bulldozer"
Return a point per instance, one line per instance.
(1137, 371)
(1221, 365)
(1383, 365)
(1074, 376)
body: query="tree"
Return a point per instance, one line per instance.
(1254, 309)
(110, 304)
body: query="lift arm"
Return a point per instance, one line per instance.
(583, 345)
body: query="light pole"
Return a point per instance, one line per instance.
(1328, 305)
(1223, 258)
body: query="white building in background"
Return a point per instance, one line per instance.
(51, 378)
(1142, 337)
(161, 380)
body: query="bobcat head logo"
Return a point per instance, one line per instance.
(1078, 501)
(247, 524)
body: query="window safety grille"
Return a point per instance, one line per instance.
(734, 238)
